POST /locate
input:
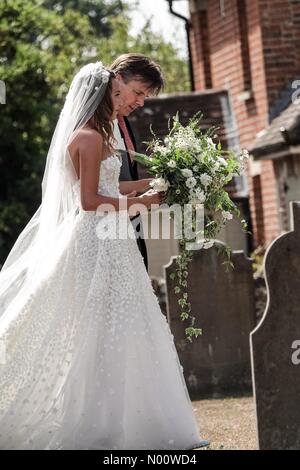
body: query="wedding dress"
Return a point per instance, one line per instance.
(91, 361)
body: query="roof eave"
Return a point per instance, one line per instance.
(274, 152)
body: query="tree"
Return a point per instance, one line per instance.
(111, 23)
(37, 48)
(97, 11)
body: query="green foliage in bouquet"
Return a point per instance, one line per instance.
(193, 170)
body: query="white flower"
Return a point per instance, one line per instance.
(105, 78)
(159, 148)
(195, 168)
(244, 154)
(197, 196)
(171, 164)
(205, 179)
(211, 143)
(178, 191)
(160, 184)
(200, 195)
(187, 173)
(222, 161)
(191, 182)
(185, 139)
(182, 144)
(208, 245)
(227, 215)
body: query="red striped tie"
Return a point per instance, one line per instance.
(123, 127)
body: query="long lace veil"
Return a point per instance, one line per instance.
(43, 238)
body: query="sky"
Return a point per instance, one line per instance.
(172, 28)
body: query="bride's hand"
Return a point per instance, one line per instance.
(147, 183)
(143, 185)
(132, 194)
(152, 197)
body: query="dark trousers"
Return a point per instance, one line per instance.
(140, 241)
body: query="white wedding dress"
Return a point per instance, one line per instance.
(91, 361)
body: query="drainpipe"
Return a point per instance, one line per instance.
(188, 26)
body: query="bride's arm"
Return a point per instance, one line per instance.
(139, 186)
(90, 155)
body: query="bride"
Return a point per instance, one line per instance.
(89, 361)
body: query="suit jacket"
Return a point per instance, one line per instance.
(129, 172)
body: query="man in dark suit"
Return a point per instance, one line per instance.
(139, 78)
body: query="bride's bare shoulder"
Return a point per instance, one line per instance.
(85, 139)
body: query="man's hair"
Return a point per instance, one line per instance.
(133, 66)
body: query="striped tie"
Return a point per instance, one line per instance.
(123, 127)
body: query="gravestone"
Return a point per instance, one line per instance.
(275, 344)
(218, 361)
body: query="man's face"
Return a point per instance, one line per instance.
(133, 94)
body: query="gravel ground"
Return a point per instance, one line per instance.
(228, 423)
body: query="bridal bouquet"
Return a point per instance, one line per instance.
(193, 170)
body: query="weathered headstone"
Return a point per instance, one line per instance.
(275, 344)
(218, 361)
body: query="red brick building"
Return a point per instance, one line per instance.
(251, 48)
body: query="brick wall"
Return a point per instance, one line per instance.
(252, 47)
(198, 52)
(280, 25)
